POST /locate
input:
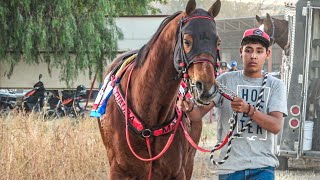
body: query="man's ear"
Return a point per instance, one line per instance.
(240, 50)
(268, 52)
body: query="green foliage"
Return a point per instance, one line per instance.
(72, 35)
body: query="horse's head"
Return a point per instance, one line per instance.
(267, 25)
(277, 29)
(196, 51)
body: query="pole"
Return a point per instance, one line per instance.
(94, 80)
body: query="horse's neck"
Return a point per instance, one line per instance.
(281, 37)
(155, 83)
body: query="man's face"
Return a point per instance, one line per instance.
(253, 57)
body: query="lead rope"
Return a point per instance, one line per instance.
(227, 93)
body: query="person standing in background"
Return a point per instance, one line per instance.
(224, 67)
(233, 66)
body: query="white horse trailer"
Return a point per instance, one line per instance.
(300, 136)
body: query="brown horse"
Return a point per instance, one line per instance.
(185, 45)
(277, 29)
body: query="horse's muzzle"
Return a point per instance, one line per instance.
(204, 95)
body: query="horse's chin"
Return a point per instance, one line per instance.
(200, 101)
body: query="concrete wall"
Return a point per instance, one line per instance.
(26, 75)
(137, 30)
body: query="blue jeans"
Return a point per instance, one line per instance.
(266, 173)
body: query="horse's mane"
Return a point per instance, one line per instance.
(282, 20)
(143, 52)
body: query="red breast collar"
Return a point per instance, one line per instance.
(135, 123)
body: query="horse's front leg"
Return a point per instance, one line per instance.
(116, 172)
(181, 175)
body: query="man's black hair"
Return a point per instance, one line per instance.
(249, 40)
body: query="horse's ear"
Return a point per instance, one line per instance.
(215, 9)
(260, 21)
(191, 6)
(268, 16)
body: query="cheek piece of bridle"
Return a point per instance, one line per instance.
(201, 28)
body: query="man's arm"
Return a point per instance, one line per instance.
(272, 122)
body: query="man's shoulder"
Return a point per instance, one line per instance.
(228, 74)
(275, 80)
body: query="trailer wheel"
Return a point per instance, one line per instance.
(283, 163)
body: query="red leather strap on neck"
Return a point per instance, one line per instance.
(134, 120)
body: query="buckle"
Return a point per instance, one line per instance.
(146, 133)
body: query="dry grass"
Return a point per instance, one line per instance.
(69, 149)
(61, 149)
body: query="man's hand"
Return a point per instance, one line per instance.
(239, 105)
(185, 104)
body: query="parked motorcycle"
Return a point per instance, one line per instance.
(70, 105)
(34, 99)
(7, 102)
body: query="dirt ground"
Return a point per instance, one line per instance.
(299, 169)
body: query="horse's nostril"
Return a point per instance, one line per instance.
(199, 86)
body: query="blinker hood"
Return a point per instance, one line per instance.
(201, 27)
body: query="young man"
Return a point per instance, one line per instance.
(252, 154)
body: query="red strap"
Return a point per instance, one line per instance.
(150, 155)
(191, 141)
(224, 142)
(124, 107)
(134, 120)
(166, 129)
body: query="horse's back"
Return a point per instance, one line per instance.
(117, 61)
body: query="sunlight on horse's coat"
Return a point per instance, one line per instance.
(179, 49)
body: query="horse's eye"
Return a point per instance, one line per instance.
(187, 42)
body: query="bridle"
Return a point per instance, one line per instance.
(184, 62)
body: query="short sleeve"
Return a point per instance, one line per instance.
(278, 98)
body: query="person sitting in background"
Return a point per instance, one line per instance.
(233, 66)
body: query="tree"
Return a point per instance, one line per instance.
(72, 35)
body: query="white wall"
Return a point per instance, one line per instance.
(25, 76)
(137, 31)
